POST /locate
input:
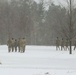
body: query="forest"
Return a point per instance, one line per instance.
(40, 23)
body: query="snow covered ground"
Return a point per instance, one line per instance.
(37, 60)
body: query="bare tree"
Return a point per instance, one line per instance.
(71, 22)
(70, 32)
(70, 26)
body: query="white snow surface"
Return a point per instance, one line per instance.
(37, 60)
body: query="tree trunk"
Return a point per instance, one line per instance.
(70, 27)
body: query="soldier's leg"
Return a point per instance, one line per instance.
(21, 50)
(16, 48)
(59, 47)
(12, 49)
(24, 49)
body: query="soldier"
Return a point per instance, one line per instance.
(16, 44)
(19, 44)
(66, 44)
(57, 44)
(62, 44)
(24, 44)
(9, 45)
(75, 44)
(13, 41)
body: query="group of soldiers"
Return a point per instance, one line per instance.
(16, 45)
(63, 44)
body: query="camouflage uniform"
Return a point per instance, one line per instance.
(57, 44)
(19, 44)
(62, 44)
(16, 44)
(13, 42)
(9, 45)
(66, 44)
(24, 44)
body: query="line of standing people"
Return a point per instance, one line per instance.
(64, 44)
(16, 45)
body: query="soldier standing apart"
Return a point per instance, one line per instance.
(75, 44)
(57, 44)
(66, 44)
(62, 44)
(9, 45)
(16, 44)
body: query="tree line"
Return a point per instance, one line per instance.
(40, 23)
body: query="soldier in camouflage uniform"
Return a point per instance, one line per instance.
(75, 44)
(57, 44)
(66, 44)
(16, 45)
(24, 44)
(12, 43)
(19, 44)
(9, 45)
(62, 44)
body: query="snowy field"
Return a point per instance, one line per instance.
(37, 60)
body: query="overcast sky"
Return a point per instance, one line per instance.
(56, 1)
(59, 1)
